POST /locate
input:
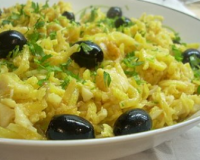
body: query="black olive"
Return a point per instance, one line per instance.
(191, 56)
(89, 54)
(9, 40)
(122, 21)
(114, 12)
(69, 127)
(69, 15)
(133, 121)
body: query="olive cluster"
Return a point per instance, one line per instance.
(68, 127)
(116, 13)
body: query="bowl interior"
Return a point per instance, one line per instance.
(187, 26)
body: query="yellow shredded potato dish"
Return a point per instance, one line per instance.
(141, 68)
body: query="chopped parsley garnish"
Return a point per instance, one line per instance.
(8, 63)
(194, 61)
(177, 53)
(34, 37)
(177, 38)
(11, 19)
(15, 16)
(35, 49)
(65, 83)
(198, 90)
(86, 48)
(52, 35)
(46, 5)
(64, 67)
(36, 7)
(196, 73)
(106, 24)
(39, 24)
(93, 14)
(6, 21)
(106, 78)
(14, 53)
(131, 62)
(42, 81)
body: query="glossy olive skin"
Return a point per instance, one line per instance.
(69, 127)
(122, 21)
(188, 53)
(114, 12)
(9, 40)
(88, 59)
(69, 15)
(133, 121)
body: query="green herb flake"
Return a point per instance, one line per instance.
(107, 79)
(15, 16)
(106, 24)
(21, 11)
(42, 81)
(131, 61)
(93, 14)
(194, 61)
(177, 38)
(14, 53)
(86, 48)
(35, 49)
(50, 68)
(36, 7)
(83, 12)
(39, 24)
(9, 64)
(45, 58)
(46, 5)
(196, 73)
(34, 37)
(198, 90)
(65, 83)
(52, 35)
(6, 21)
(177, 53)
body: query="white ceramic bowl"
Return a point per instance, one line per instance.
(115, 147)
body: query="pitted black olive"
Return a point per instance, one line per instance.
(69, 15)
(191, 56)
(114, 12)
(122, 21)
(9, 40)
(89, 54)
(133, 121)
(69, 127)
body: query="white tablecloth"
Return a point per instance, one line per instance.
(187, 145)
(184, 147)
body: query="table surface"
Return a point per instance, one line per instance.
(183, 147)
(187, 145)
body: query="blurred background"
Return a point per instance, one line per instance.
(191, 7)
